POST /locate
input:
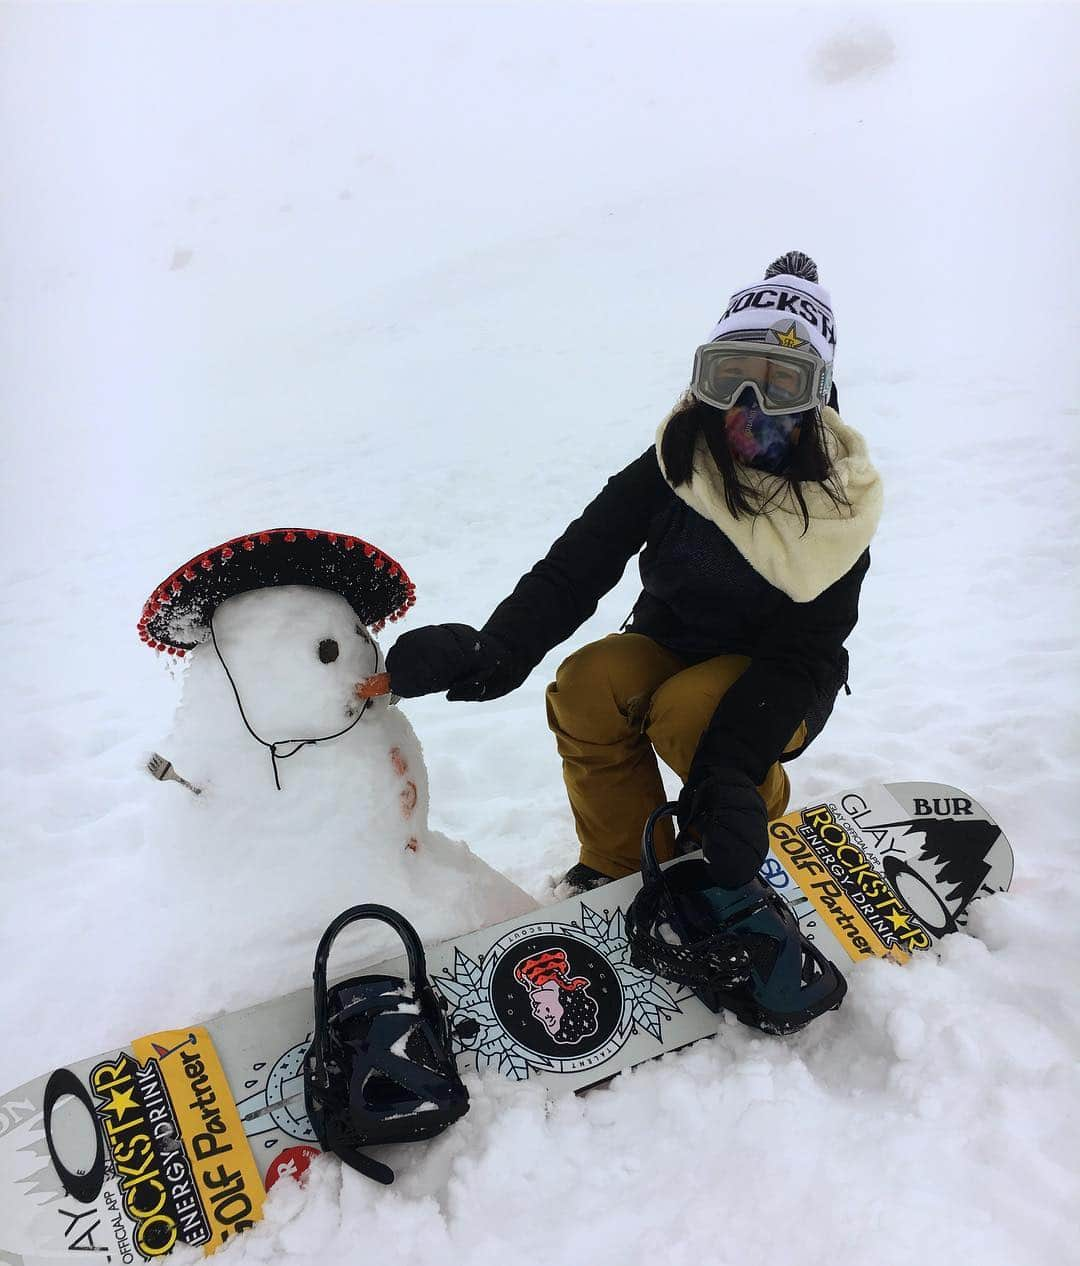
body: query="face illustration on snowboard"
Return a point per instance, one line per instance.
(295, 655)
(561, 1003)
(547, 1007)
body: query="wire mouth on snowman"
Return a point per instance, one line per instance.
(327, 651)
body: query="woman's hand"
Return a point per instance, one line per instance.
(726, 810)
(468, 663)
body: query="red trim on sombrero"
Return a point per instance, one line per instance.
(383, 589)
(549, 965)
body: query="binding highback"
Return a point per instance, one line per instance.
(380, 1067)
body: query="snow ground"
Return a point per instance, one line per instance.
(430, 274)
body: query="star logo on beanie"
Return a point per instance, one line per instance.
(788, 337)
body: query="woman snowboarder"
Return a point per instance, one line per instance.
(755, 508)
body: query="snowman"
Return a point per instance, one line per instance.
(288, 793)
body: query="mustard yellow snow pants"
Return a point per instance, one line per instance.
(614, 706)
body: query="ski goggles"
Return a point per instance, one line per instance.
(783, 379)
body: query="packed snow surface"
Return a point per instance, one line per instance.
(430, 275)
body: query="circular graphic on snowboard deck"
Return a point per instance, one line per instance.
(557, 996)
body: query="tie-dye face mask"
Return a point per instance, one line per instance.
(761, 440)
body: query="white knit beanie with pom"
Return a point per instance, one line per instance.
(788, 309)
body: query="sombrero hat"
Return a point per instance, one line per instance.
(176, 616)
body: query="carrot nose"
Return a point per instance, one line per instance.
(373, 687)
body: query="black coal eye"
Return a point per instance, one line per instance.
(328, 650)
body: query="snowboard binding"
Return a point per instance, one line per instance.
(740, 949)
(380, 1068)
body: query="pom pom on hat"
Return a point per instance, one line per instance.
(793, 264)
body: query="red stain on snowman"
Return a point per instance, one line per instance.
(408, 800)
(408, 795)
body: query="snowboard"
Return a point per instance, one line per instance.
(177, 1137)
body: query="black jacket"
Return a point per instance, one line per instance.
(700, 598)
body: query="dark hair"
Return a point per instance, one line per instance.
(809, 460)
(579, 1015)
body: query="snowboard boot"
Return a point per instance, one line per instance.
(579, 879)
(738, 948)
(790, 981)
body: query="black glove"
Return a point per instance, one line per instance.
(726, 810)
(468, 663)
